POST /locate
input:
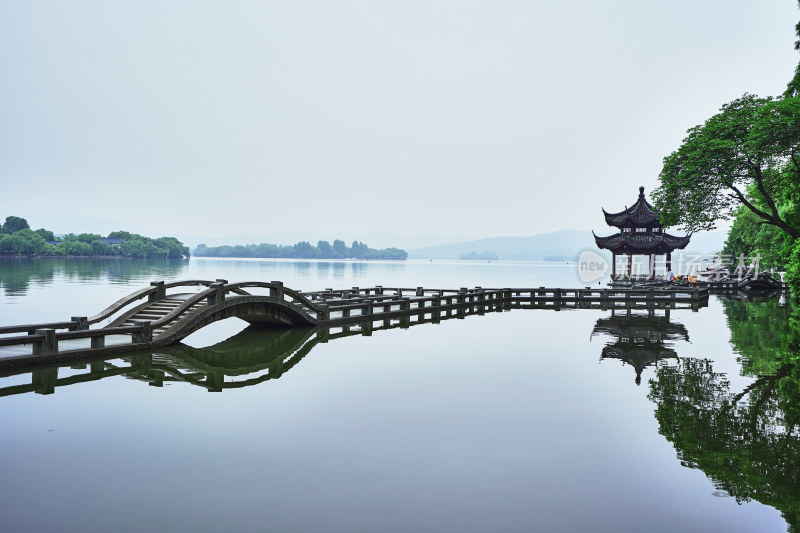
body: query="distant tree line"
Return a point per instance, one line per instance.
(302, 250)
(17, 238)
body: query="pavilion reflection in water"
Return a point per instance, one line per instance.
(641, 339)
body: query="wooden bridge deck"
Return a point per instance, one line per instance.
(163, 319)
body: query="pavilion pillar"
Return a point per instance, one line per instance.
(630, 265)
(669, 261)
(613, 266)
(652, 266)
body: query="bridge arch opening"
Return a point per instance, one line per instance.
(215, 332)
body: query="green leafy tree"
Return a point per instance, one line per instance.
(47, 235)
(14, 224)
(304, 249)
(22, 242)
(124, 235)
(88, 238)
(73, 246)
(325, 250)
(750, 237)
(341, 249)
(747, 144)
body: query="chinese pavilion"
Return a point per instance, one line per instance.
(640, 233)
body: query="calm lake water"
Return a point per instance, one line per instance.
(521, 420)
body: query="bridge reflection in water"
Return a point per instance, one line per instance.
(255, 355)
(258, 353)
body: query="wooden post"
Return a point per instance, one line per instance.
(276, 291)
(81, 323)
(366, 328)
(218, 296)
(630, 266)
(159, 294)
(652, 267)
(145, 333)
(669, 261)
(48, 345)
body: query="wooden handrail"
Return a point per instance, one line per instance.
(138, 295)
(119, 304)
(34, 327)
(20, 339)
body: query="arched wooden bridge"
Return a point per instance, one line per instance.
(164, 313)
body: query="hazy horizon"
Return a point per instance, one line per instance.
(452, 119)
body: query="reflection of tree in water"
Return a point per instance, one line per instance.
(642, 339)
(747, 442)
(17, 274)
(761, 331)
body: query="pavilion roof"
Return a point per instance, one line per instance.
(641, 243)
(641, 327)
(640, 213)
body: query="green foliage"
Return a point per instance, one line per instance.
(24, 241)
(742, 163)
(47, 235)
(303, 250)
(750, 237)
(14, 224)
(748, 143)
(793, 267)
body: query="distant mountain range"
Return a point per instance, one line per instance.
(565, 245)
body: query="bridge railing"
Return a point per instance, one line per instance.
(328, 305)
(45, 341)
(279, 291)
(156, 291)
(216, 294)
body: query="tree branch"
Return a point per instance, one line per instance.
(794, 160)
(774, 219)
(763, 190)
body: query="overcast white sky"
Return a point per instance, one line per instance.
(438, 117)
